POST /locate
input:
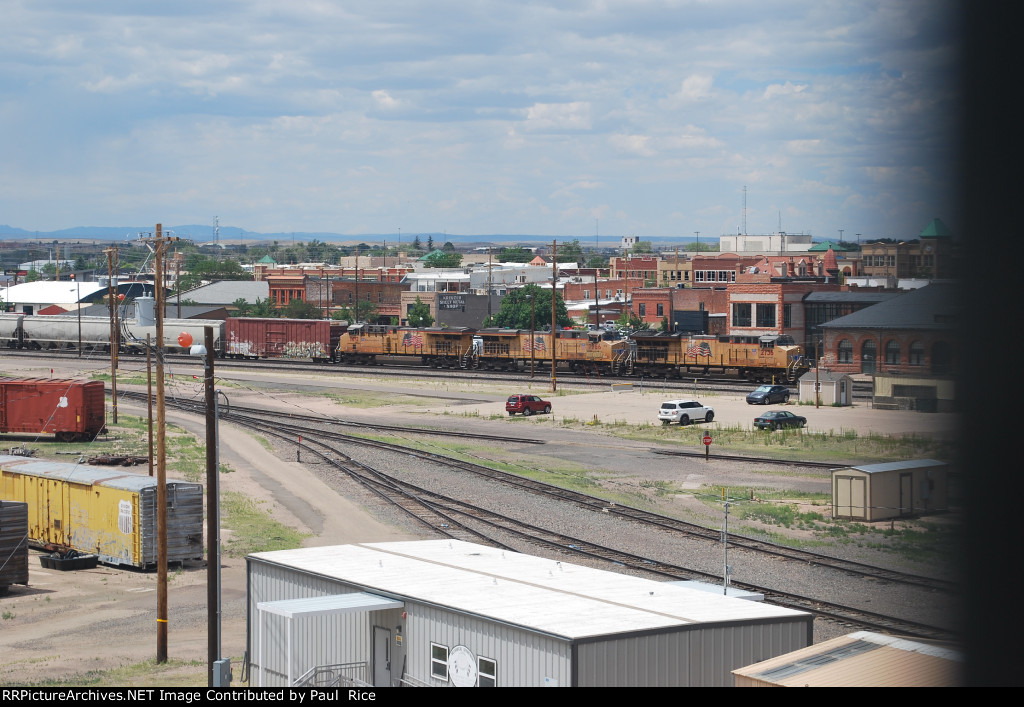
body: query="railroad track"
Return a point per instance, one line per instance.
(459, 519)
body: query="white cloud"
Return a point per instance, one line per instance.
(786, 89)
(634, 144)
(558, 116)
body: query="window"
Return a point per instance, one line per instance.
(661, 310)
(867, 357)
(643, 309)
(439, 661)
(845, 351)
(787, 315)
(486, 673)
(586, 294)
(766, 315)
(892, 352)
(917, 354)
(741, 314)
(723, 276)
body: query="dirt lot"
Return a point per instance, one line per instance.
(68, 624)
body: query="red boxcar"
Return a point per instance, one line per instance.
(282, 338)
(73, 410)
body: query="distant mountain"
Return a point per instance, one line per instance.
(204, 234)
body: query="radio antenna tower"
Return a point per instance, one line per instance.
(744, 210)
(216, 230)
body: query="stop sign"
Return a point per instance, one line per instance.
(707, 440)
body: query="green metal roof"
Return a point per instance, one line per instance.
(936, 229)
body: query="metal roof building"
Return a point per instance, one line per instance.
(861, 659)
(874, 492)
(445, 612)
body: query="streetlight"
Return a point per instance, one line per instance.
(218, 671)
(533, 325)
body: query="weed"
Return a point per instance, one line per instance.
(8, 615)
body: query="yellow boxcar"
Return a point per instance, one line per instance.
(110, 513)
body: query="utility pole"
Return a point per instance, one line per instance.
(112, 297)
(488, 282)
(177, 279)
(554, 317)
(212, 517)
(355, 312)
(159, 243)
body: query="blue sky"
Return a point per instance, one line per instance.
(569, 118)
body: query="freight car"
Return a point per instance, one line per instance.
(110, 514)
(46, 332)
(756, 358)
(13, 544)
(73, 410)
(249, 337)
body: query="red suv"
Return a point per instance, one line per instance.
(526, 404)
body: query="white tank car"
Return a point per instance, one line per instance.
(10, 329)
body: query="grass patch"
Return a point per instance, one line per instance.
(149, 673)
(252, 528)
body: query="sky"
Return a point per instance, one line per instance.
(586, 119)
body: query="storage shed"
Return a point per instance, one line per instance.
(446, 612)
(862, 659)
(834, 388)
(890, 490)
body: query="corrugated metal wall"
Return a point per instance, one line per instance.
(13, 544)
(698, 657)
(523, 658)
(184, 522)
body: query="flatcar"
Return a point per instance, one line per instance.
(72, 410)
(111, 514)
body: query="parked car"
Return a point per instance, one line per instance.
(684, 412)
(777, 419)
(526, 404)
(768, 394)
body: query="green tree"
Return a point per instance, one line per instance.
(448, 247)
(416, 245)
(419, 314)
(628, 320)
(642, 248)
(298, 309)
(530, 304)
(200, 267)
(364, 311)
(515, 255)
(430, 243)
(33, 275)
(443, 260)
(571, 251)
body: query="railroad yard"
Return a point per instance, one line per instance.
(603, 437)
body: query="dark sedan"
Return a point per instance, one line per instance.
(768, 394)
(777, 419)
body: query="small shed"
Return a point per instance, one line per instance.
(834, 388)
(861, 659)
(890, 490)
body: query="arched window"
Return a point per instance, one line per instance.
(917, 354)
(845, 351)
(892, 352)
(868, 357)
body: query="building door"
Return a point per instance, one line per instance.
(906, 494)
(381, 656)
(850, 497)
(868, 356)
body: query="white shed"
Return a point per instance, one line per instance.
(445, 612)
(833, 388)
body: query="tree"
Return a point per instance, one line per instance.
(515, 255)
(201, 267)
(419, 314)
(363, 311)
(641, 248)
(597, 261)
(430, 243)
(530, 305)
(571, 251)
(443, 260)
(416, 245)
(298, 309)
(628, 320)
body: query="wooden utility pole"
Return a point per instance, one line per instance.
(112, 297)
(159, 242)
(554, 316)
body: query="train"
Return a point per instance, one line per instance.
(643, 353)
(110, 514)
(71, 410)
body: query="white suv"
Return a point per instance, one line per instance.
(684, 412)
